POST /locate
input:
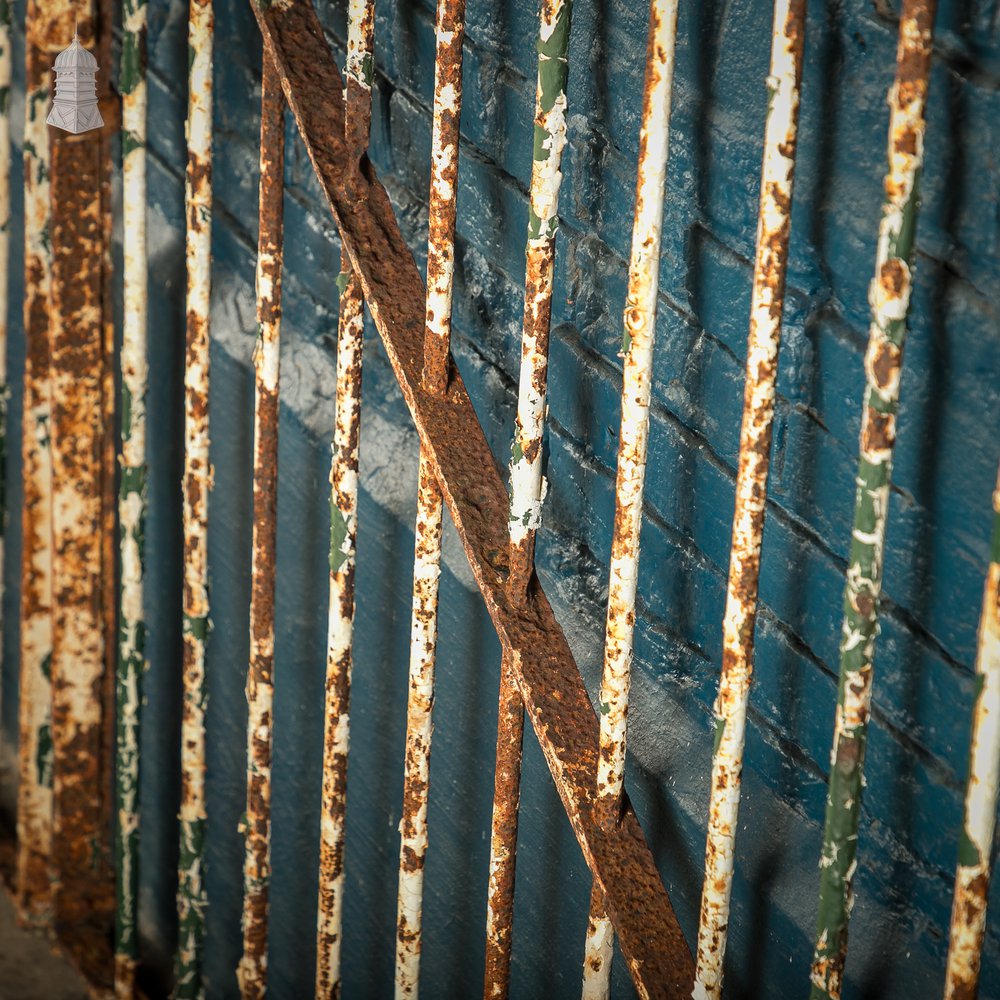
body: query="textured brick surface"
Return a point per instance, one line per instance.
(937, 540)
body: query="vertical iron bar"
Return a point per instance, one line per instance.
(359, 75)
(34, 808)
(527, 486)
(972, 878)
(419, 726)
(197, 482)
(450, 33)
(81, 713)
(889, 296)
(637, 377)
(444, 192)
(6, 67)
(503, 838)
(132, 490)
(767, 301)
(252, 971)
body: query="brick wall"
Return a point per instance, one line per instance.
(937, 540)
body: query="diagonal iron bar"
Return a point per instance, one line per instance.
(539, 656)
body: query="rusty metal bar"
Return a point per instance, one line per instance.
(419, 727)
(450, 27)
(252, 971)
(355, 126)
(637, 378)
(503, 838)
(972, 878)
(889, 296)
(6, 68)
(767, 302)
(81, 855)
(450, 32)
(196, 484)
(83, 537)
(109, 484)
(542, 664)
(132, 491)
(44, 22)
(527, 485)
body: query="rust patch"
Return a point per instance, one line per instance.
(878, 431)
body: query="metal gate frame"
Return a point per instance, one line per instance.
(533, 643)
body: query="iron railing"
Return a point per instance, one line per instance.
(68, 614)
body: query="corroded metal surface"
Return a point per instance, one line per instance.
(252, 971)
(354, 124)
(196, 484)
(419, 727)
(444, 191)
(767, 301)
(450, 30)
(637, 377)
(889, 296)
(539, 657)
(6, 67)
(972, 879)
(132, 490)
(527, 486)
(81, 720)
(503, 838)
(599, 949)
(34, 813)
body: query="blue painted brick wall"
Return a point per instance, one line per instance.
(938, 535)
